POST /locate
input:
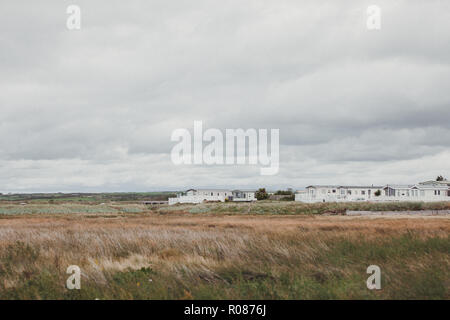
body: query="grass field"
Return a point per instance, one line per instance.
(88, 198)
(298, 208)
(220, 251)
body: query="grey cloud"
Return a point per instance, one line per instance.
(85, 110)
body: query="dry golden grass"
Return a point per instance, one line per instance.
(222, 256)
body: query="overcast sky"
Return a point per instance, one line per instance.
(94, 109)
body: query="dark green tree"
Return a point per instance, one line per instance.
(261, 194)
(284, 193)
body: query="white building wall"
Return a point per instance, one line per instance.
(198, 196)
(343, 194)
(196, 199)
(249, 196)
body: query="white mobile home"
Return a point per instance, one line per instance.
(242, 195)
(417, 192)
(219, 195)
(337, 193)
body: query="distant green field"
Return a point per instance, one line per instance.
(86, 197)
(293, 208)
(97, 206)
(71, 208)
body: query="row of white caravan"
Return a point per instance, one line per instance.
(217, 195)
(425, 191)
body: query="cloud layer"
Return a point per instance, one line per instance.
(93, 110)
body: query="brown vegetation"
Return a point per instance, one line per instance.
(221, 256)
